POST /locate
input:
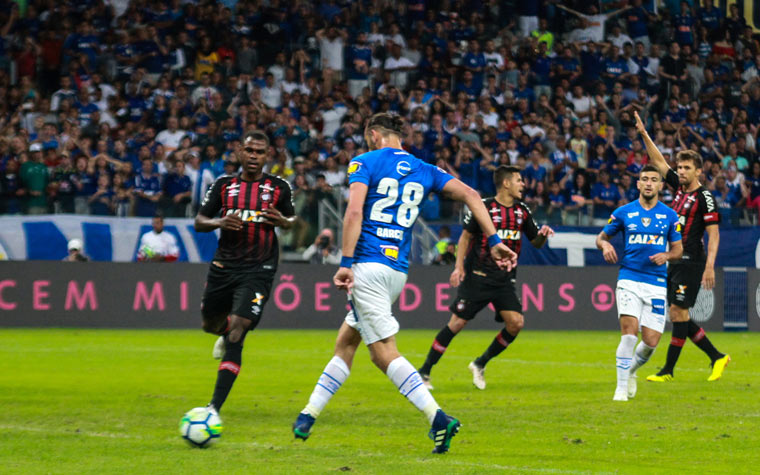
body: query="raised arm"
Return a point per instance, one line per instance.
(654, 153)
(570, 10)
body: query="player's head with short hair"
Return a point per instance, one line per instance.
(381, 126)
(158, 223)
(650, 183)
(509, 178)
(255, 153)
(256, 135)
(688, 166)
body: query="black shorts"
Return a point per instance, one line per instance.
(477, 292)
(684, 281)
(234, 292)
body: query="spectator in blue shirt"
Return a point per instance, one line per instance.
(684, 26)
(627, 189)
(84, 184)
(615, 68)
(359, 63)
(564, 160)
(212, 161)
(101, 202)
(468, 86)
(466, 165)
(147, 190)
(85, 108)
(556, 203)
(710, 16)
(475, 62)
(605, 196)
(177, 190)
(592, 62)
(637, 18)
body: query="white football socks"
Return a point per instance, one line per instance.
(641, 356)
(329, 382)
(623, 360)
(409, 383)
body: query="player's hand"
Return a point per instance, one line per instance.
(274, 217)
(504, 257)
(640, 128)
(231, 222)
(608, 251)
(344, 279)
(546, 231)
(660, 258)
(456, 277)
(708, 278)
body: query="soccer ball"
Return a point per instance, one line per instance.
(200, 427)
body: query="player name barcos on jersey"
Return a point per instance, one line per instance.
(389, 233)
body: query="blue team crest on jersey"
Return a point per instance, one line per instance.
(646, 222)
(403, 168)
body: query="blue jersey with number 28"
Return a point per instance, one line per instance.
(645, 233)
(397, 184)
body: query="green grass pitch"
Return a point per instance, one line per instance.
(109, 401)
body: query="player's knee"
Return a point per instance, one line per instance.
(515, 323)
(456, 324)
(678, 314)
(238, 328)
(212, 325)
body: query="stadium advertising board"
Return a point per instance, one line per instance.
(116, 240)
(753, 299)
(154, 295)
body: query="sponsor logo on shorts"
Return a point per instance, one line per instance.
(681, 289)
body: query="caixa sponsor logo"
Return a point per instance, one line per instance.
(247, 215)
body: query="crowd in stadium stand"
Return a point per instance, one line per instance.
(136, 107)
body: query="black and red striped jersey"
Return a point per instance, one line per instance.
(511, 224)
(255, 246)
(696, 210)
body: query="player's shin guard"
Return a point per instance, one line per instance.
(332, 378)
(437, 349)
(409, 384)
(228, 371)
(680, 331)
(698, 337)
(641, 355)
(623, 360)
(499, 344)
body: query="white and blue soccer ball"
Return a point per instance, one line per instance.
(200, 427)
